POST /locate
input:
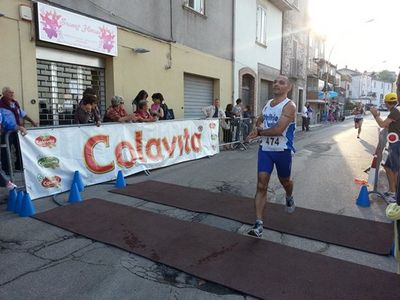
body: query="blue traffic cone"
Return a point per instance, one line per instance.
(74, 195)
(27, 208)
(363, 198)
(12, 198)
(78, 180)
(120, 183)
(18, 202)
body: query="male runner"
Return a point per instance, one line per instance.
(277, 134)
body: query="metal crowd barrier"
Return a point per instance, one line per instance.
(7, 153)
(235, 136)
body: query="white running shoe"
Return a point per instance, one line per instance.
(290, 206)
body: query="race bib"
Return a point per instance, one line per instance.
(273, 143)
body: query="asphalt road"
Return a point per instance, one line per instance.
(40, 261)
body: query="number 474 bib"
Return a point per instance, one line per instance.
(273, 143)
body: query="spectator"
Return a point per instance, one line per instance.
(168, 113)
(116, 111)
(96, 112)
(84, 113)
(12, 120)
(142, 113)
(237, 109)
(392, 123)
(156, 109)
(226, 128)
(213, 111)
(304, 118)
(247, 121)
(142, 95)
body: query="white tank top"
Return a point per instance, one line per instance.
(271, 116)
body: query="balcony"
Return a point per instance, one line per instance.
(313, 70)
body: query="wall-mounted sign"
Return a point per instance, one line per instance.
(66, 28)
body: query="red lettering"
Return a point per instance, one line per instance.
(89, 158)
(196, 136)
(139, 145)
(170, 149)
(157, 143)
(186, 136)
(119, 155)
(180, 143)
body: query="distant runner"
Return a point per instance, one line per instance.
(358, 113)
(276, 127)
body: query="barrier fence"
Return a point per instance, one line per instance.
(51, 155)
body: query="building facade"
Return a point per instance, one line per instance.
(257, 45)
(176, 55)
(294, 51)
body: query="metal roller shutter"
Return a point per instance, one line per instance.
(198, 94)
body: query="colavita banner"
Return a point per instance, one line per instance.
(60, 26)
(51, 156)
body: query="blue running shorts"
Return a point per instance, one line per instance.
(281, 159)
(393, 159)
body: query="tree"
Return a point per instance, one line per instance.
(387, 76)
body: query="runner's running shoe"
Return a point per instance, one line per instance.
(257, 229)
(290, 206)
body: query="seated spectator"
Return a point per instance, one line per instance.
(116, 111)
(142, 95)
(168, 113)
(142, 113)
(96, 112)
(84, 113)
(155, 108)
(11, 116)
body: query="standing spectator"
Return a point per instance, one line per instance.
(168, 114)
(392, 122)
(116, 111)
(304, 118)
(12, 120)
(213, 111)
(142, 112)
(237, 109)
(142, 95)
(84, 113)
(226, 127)
(247, 121)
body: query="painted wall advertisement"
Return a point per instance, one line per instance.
(66, 28)
(51, 156)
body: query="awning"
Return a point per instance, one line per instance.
(331, 94)
(316, 101)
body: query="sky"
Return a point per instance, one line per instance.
(362, 34)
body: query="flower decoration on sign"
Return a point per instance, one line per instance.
(107, 38)
(46, 141)
(51, 24)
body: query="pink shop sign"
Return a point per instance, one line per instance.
(66, 28)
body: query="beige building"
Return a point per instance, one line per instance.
(48, 77)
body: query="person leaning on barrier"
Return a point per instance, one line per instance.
(116, 112)
(392, 123)
(12, 120)
(84, 113)
(95, 109)
(142, 95)
(142, 113)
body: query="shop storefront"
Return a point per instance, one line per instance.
(63, 75)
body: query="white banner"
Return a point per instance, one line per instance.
(66, 28)
(51, 156)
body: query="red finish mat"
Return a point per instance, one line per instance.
(360, 234)
(252, 266)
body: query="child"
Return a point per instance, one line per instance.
(156, 109)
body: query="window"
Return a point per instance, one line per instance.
(197, 5)
(261, 25)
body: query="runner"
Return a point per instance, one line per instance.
(392, 122)
(277, 134)
(358, 113)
